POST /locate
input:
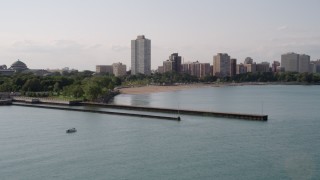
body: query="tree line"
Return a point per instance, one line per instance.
(79, 85)
(90, 86)
(172, 77)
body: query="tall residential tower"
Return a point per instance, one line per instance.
(141, 56)
(173, 64)
(221, 65)
(292, 62)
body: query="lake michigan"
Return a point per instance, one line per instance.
(34, 145)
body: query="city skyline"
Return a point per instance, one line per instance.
(82, 34)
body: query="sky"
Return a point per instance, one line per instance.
(81, 34)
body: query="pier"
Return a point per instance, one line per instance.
(5, 102)
(97, 111)
(29, 102)
(255, 117)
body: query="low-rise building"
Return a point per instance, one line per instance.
(104, 69)
(160, 69)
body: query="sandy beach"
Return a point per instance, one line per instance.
(156, 89)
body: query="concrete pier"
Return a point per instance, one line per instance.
(5, 102)
(255, 117)
(97, 111)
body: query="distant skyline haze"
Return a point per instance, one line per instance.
(81, 34)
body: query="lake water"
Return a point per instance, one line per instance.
(34, 145)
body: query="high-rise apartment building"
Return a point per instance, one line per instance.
(250, 66)
(248, 60)
(241, 69)
(221, 65)
(304, 63)
(317, 65)
(141, 56)
(119, 69)
(233, 67)
(173, 64)
(263, 67)
(205, 69)
(290, 62)
(275, 66)
(196, 69)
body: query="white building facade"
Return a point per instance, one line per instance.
(141, 56)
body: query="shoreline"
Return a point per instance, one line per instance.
(158, 89)
(148, 89)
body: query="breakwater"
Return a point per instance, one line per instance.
(6, 102)
(49, 101)
(256, 117)
(97, 111)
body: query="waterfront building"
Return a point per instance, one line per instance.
(141, 56)
(250, 65)
(173, 64)
(185, 68)
(160, 69)
(119, 69)
(233, 67)
(104, 69)
(167, 66)
(205, 69)
(248, 60)
(251, 68)
(263, 67)
(312, 68)
(241, 69)
(315, 66)
(304, 63)
(196, 69)
(290, 62)
(275, 66)
(293, 62)
(222, 65)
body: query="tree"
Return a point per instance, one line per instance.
(92, 90)
(56, 87)
(32, 85)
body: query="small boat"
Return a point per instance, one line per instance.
(72, 130)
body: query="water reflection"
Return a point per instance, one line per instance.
(132, 100)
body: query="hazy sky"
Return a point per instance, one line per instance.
(83, 33)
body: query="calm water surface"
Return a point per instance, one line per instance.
(34, 145)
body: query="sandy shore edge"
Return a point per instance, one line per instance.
(156, 89)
